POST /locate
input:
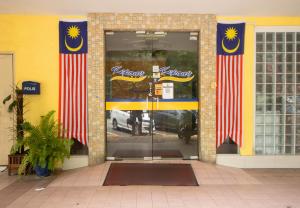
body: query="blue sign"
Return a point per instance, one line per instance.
(31, 88)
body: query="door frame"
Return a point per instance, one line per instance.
(198, 91)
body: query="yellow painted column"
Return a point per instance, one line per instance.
(248, 91)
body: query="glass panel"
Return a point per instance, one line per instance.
(270, 47)
(260, 68)
(290, 88)
(280, 37)
(297, 128)
(280, 47)
(290, 68)
(259, 119)
(290, 47)
(269, 141)
(277, 92)
(260, 37)
(289, 140)
(128, 130)
(259, 108)
(259, 142)
(269, 78)
(298, 140)
(260, 78)
(270, 68)
(270, 37)
(260, 47)
(176, 130)
(298, 57)
(279, 57)
(279, 140)
(260, 57)
(290, 37)
(279, 68)
(279, 109)
(298, 109)
(298, 48)
(279, 129)
(260, 88)
(269, 88)
(289, 119)
(298, 78)
(279, 78)
(290, 78)
(279, 88)
(269, 119)
(269, 150)
(259, 130)
(269, 130)
(288, 150)
(289, 129)
(269, 99)
(298, 68)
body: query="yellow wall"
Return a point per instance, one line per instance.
(34, 41)
(248, 102)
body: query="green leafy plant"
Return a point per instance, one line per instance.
(45, 147)
(16, 105)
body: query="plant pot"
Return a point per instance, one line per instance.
(14, 162)
(42, 172)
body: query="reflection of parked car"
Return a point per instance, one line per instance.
(184, 122)
(125, 120)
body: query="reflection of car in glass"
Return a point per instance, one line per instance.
(131, 121)
(184, 122)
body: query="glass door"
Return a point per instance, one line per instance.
(151, 94)
(175, 111)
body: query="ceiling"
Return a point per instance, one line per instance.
(219, 7)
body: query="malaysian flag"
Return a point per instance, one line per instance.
(229, 73)
(73, 80)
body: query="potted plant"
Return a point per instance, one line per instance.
(45, 147)
(16, 105)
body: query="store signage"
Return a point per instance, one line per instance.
(167, 90)
(127, 75)
(164, 74)
(31, 88)
(174, 75)
(158, 89)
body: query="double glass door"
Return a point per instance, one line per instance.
(151, 94)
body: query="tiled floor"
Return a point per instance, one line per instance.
(219, 187)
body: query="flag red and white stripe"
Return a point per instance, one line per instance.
(229, 75)
(73, 96)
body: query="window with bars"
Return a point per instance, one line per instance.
(277, 118)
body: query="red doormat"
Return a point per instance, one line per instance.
(148, 153)
(161, 174)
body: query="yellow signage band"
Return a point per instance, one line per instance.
(152, 105)
(176, 79)
(128, 79)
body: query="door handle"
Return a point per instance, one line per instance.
(147, 100)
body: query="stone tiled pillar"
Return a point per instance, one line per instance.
(204, 24)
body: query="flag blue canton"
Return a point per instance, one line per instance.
(230, 39)
(73, 37)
